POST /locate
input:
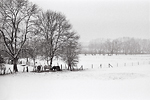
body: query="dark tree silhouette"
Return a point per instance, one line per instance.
(70, 50)
(53, 27)
(16, 22)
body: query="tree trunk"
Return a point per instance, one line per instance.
(34, 62)
(51, 61)
(15, 65)
(69, 66)
(47, 61)
(27, 59)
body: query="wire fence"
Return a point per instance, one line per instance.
(116, 64)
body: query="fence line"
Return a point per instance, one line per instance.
(122, 64)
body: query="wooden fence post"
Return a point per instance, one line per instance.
(61, 66)
(10, 70)
(81, 67)
(109, 65)
(23, 69)
(100, 65)
(27, 69)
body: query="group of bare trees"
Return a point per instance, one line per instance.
(26, 28)
(123, 45)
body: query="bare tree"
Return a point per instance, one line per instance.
(70, 49)
(16, 22)
(33, 46)
(124, 45)
(53, 27)
(92, 47)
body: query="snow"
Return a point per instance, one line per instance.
(122, 82)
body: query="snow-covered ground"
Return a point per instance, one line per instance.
(129, 79)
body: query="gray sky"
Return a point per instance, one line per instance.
(93, 19)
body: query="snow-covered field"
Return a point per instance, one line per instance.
(129, 79)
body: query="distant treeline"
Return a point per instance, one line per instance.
(123, 45)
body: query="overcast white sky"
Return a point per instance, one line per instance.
(93, 19)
